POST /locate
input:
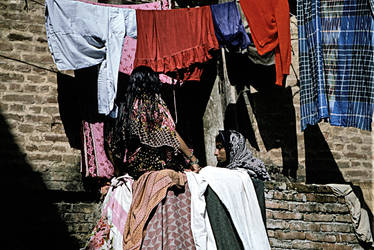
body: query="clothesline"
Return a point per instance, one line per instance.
(27, 63)
(206, 28)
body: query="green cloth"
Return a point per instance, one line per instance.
(224, 231)
(260, 188)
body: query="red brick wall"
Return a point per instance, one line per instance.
(307, 216)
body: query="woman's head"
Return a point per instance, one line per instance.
(143, 83)
(223, 147)
(231, 152)
(143, 80)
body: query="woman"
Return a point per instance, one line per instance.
(231, 152)
(226, 187)
(144, 137)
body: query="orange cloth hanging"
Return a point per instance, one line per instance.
(269, 21)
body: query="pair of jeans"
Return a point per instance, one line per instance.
(81, 35)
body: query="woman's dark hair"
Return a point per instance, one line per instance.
(223, 137)
(143, 83)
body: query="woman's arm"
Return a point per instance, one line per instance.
(187, 152)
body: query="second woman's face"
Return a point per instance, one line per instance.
(220, 152)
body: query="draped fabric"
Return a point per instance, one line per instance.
(223, 228)
(148, 191)
(82, 35)
(336, 57)
(108, 232)
(235, 190)
(170, 225)
(185, 50)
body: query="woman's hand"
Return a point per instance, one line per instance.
(104, 189)
(195, 168)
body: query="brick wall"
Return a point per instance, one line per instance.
(37, 159)
(303, 216)
(28, 94)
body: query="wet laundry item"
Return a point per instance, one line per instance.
(177, 40)
(336, 57)
(128, 57)
(266, 59)
(81, 35)
(129, 44)
(95, 162)
(269, 22)
(228, 26)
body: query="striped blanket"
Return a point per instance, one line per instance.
(336, 58)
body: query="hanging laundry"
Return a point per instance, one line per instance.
(128, 57)
(177, 40)
(336, 56)
(129, 44)
(94, 161)
(158, 5)
(266, 59)
(228, 26)
(81, 35)
(269, 22)
(251, 51)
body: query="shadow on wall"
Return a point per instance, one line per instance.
(272, 107)
(191, 100)
(320, 165)
(31, 219)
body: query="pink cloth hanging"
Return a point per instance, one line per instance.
(94, 162)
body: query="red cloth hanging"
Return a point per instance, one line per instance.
(269, 21)
(177, 40)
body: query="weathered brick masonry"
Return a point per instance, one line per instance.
(41, 171)
(303, 216)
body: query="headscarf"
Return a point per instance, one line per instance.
(239, 156)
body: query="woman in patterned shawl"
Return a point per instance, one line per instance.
(231, 152)
(144, 136)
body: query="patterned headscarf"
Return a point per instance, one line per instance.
(239, 156)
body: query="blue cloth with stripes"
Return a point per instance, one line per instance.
(336, 62)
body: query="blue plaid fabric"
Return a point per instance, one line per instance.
(336, 62)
